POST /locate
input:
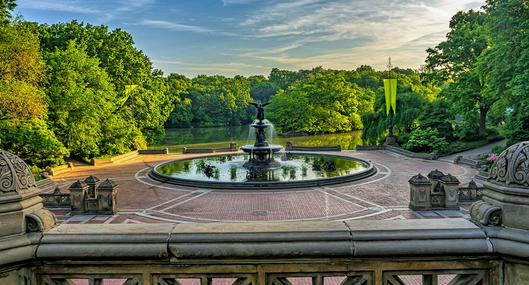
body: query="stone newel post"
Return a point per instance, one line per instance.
(420, 188)
(78, 192)
(106, 195)
(92, 182)
(22, 217)
(450, 184)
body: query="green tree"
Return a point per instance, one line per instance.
(82, 104)
(6, 7)
(324, 103)
(506, 63)
(456, 61)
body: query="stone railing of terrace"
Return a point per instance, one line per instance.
(493, 249)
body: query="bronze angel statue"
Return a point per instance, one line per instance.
(260, 109)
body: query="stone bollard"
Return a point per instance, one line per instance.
(78, 192)
(420, 191)
(450, 185)
(106, 197)
(91, 181)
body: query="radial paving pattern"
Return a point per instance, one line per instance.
(382, 196)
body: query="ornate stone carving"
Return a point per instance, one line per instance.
(512, 166)
(486, 214)
(41, 220)
(15, 175)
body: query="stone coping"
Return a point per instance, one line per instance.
(265, 240)
(433, 238)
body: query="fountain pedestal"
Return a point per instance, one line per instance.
(261, 153)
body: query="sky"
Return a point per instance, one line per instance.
(248, 37)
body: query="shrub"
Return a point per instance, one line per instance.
(426, 140)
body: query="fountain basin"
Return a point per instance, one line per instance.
(291, 170)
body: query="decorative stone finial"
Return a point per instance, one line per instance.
(435, 174)
(15, 175)
(449, 178)
(512, 166)
(419, 179)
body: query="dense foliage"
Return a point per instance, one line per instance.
(82, 91)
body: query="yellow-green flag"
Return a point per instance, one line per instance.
(390, 92)
(130, 88)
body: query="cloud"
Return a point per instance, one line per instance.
(402, 29)
(236, 2)
(174, 26)
(58, 6)
(225, 68)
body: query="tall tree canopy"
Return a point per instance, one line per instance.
(456, 61)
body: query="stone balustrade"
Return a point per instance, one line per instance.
(490, 249)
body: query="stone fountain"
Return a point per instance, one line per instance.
(261, 152)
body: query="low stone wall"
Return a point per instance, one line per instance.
(231, 147)
(467, 161)
(291, 147)
(115, 159)
(401, 151)
(46, 185)
(153, 151)
(314, 148)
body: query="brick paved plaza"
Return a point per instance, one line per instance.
(382, 196)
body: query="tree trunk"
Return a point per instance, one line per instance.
(482, 121)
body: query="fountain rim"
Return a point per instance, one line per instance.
(370, 170)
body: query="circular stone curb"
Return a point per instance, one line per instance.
(369, 171)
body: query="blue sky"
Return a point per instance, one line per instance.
(248, 37)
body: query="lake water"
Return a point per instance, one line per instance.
(177, 139)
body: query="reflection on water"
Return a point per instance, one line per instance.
(176, 139)
(292, 167)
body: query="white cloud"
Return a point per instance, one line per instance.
(58, 6)
(174, 26)
(397, 28)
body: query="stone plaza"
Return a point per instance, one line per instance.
(384, 196)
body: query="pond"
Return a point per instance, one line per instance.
(176, 139)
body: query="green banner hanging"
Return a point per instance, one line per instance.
(390, 91)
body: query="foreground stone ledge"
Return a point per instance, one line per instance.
(507, 241)
(265, 240)
(19, 248)
(106, 241)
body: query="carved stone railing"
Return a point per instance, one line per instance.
(492, 249)
(356, 252)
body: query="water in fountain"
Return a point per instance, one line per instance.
(261, 163)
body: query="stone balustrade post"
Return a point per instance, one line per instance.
(106, 197)
(450, 185)
(78, 193)
(420, 191)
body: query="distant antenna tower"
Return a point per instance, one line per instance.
(389, 66)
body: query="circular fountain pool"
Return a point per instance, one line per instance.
(290, 170)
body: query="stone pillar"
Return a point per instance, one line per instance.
(78, 195)
(420, 190)
(450, 185)
(92, 182)
(106, 197)
(22, 217)
(434, 176)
